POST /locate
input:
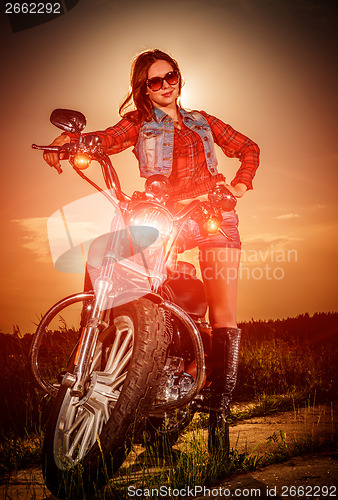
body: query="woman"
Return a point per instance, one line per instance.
(179, 144)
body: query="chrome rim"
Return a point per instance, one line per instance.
(81, 421)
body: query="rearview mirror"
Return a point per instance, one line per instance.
(68, 120)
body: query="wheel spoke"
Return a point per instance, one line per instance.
(77, 423)
(87, 440)
(123, 363)
(116, 358)
(77, 438)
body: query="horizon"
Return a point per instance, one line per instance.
(17, 330)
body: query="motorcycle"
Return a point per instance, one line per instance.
(137, 371)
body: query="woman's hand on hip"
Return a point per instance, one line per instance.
(238, 190)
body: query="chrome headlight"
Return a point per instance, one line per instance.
(155, 218)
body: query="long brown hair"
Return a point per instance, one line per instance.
(137, 96)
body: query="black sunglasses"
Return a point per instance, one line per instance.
(156, 83)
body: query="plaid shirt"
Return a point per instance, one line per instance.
(188, 147)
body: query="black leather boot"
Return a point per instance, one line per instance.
(224, 362)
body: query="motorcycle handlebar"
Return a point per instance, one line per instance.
(47, 148)
(65, 149)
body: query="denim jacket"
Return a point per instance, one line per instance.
(154, 148)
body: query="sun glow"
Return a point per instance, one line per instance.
(188, 97)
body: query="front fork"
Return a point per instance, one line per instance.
(103, 286)
(90, 332)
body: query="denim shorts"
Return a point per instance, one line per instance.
(191, 236)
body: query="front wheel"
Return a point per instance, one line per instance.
(88, 438)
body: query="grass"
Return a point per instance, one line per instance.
(192, 465)
(17, 453)
(282, 367)
(276, 366)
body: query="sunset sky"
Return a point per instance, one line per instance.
(267, 67)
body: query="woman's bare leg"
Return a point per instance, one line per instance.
(219, 267)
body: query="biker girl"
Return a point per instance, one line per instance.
(179, 144)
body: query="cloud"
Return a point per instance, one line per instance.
(270, 247)
(268, 241)
(35, 237)
(287, 216)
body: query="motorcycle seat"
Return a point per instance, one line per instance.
(186, 290)
(183, 267)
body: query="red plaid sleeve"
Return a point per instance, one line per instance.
(116, 138)
(236, 145)
(119, 137)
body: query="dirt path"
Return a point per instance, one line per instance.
(263, 434)
(311, 477)
(259, 434)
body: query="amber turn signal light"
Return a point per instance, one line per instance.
(82, 161)
(212, 225)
